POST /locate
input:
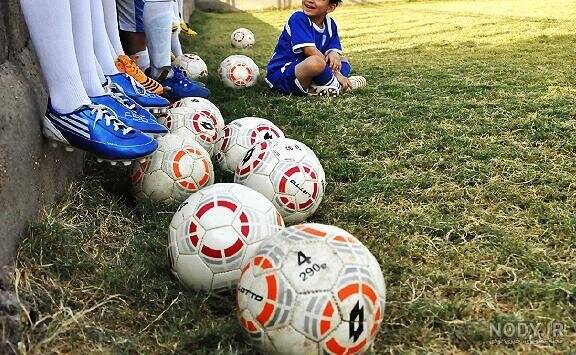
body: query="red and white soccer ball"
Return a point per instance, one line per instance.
(179, 167)
(201, 104)
(242, 38)
(215, 233)
(199, 125)
(238, 72)
(239, 136)
(311, 289)
(288, 173)
(193, 66)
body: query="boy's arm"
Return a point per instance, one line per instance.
(334, 51)
(310, 51)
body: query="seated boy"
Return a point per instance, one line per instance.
(307, 59)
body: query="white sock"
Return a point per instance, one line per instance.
(181, 9)
(83, 44)
(176, 46)
(142, 59)
(111, 20)
(50, 27)
(158, 17)
(100, 72)
(101, 40)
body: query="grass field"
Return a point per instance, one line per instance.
(456, 166)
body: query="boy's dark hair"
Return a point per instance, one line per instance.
(336, 2)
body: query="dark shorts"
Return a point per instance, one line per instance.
(285, 81)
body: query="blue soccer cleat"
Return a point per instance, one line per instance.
(95, 129)
(179, 86)
(135, 91)
(130, 113)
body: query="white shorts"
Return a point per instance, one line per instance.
(131, 14)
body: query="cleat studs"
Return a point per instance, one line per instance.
(53, 144)
(127, 163)
(113, 163)
(99, 160)
(69, 149)
(142, 161)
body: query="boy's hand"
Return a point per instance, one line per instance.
(344, 82)
(334, 61)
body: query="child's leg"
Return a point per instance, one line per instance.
(50, 27)
(111, 18)
(176, 46)
(84, 47)
(101, 40)
(158, 17)
(314, 69)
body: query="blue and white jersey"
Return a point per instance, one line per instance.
(298, 33)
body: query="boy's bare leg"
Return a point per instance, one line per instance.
(133, 42)
(308, 69)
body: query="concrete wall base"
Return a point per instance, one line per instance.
(31, 174)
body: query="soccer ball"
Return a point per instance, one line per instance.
(239, 136)
(196, 124)
(288, 173)
(178, 168)
(193, 66)
(242, 38)
(238, 71)
(311, 289)
(201, 104)
(215, 233)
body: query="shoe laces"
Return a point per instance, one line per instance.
(102, 112)
(122, 98)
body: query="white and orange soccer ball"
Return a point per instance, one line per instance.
(238, 72)
(288, 173)
(242, 38)
(179, 167)
(215, 233)
(199, 125)
(201, 104)
(311, 289)
(239, 136)
(193, 66)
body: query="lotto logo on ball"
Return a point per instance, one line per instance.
(288, 173)
(239, 136)
(311, 289)
(187, 122)
(216, 231)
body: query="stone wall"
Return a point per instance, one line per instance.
(242, 5)
(31, 174)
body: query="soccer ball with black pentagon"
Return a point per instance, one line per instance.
(311, 289)
(179, 167)
(199, 125)
(203, 105)
(288, 173)
(216, 231)
(239, 136)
